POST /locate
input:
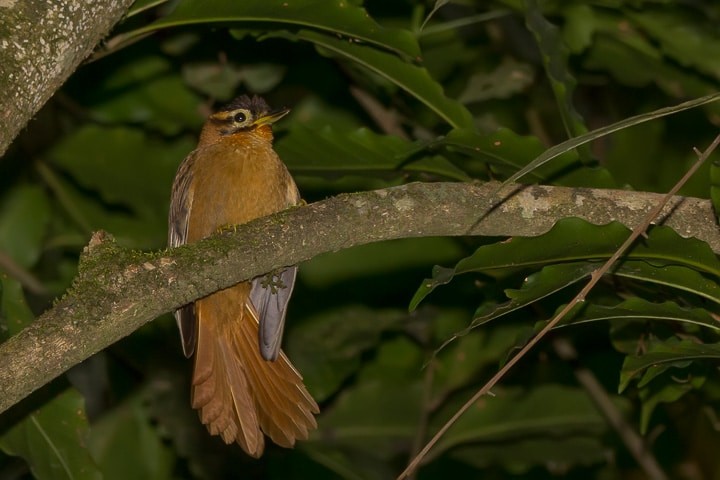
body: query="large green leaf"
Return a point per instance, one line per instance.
(136, 194)
(413, 79)
(52, 440)
(328, 347)
(516, 414)
(336, 17)
(147, 91)
(331, 152)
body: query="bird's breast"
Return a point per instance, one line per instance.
(235, 181)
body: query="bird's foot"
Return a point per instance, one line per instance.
(273, 280)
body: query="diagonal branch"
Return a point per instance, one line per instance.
(118, 290)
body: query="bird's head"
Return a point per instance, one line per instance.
(245, 115)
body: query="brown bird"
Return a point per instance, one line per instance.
(243, 385)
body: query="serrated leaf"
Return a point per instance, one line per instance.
(670, 353)
(640, 309)
(573, 239)
(680, 277)
(549, 280)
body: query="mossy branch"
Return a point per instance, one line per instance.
(118, 290)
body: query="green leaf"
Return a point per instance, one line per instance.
(640, 309)
(579, 27)
(666, 257)
(413, 79)
(145, 90)
(220, 81)
(667, 392)
(14, 310)
(508, 79)
(682, 37)
(328, 347)
(52, 440)
(21, 239)
(669, 353)
(127, 432)
(330, 152)
(509, 152)
(374, 417)
(549, 280)
(335, 17)
(568, 145)
(545, 412)
(142, 168)
(680, 277)
(554, 54)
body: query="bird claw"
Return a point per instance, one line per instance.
(228, 227)
(273, 280)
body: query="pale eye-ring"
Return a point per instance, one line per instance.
(240, 117)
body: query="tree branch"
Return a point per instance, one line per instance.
(117, 290)
(41, 43)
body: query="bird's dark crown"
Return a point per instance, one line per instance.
(256, 105)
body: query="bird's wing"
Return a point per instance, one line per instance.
(181, 200)
(270, 295)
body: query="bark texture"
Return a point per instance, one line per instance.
(41, 43)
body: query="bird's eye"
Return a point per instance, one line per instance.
(240, 117)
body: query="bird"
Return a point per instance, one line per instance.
(243, 386)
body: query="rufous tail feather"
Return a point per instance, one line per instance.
(240, 395)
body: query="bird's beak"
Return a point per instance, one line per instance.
(272, 117)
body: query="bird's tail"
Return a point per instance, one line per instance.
(239, 395)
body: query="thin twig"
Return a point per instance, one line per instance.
(426, 410)
(580, 297)
(21, 274)
(632, 440)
